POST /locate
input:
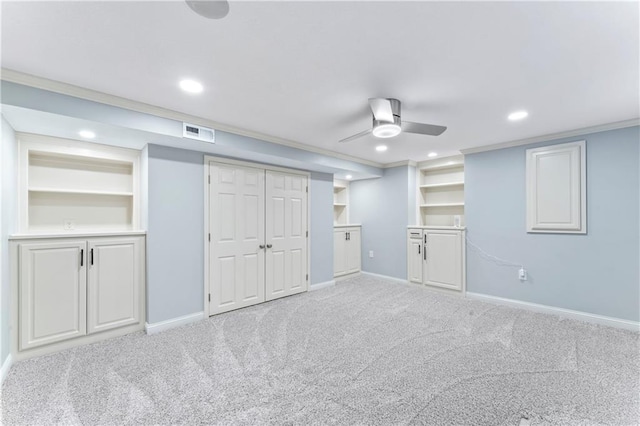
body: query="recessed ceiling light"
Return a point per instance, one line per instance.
(432, 154)
(388, 130)
(381, 148)
(191, 86)
(348, 176)
(87, 134)
(518, 115)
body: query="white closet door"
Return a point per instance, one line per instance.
(286, 234)
(52, 292)
(115, 280)
(236, 222)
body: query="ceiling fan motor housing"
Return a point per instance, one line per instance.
(388, 129)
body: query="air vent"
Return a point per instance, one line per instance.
(200, 133)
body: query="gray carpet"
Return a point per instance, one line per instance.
(366, 351)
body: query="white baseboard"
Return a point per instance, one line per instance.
(566, 313)
(161, 326)
(320, 286)
(386, 277)
(6, 366)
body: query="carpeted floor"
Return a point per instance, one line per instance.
(366, 351)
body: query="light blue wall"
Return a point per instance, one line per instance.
(321, 227)
(8, 222)
(596, 273)
(381, 206)
(175, 253)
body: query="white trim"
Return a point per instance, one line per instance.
(386, 277)
(320, 286)
(116, 101)
(566, 313)
(400, 163)
(552, 136)
(6, 366)
(158, 327)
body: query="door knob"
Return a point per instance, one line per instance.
(261, 246)
(269, 246)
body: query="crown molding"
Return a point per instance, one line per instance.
(410, 163)
(117, 101)
(552, 136)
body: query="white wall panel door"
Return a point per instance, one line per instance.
(286, 234)
(52, 292)
(353, 250)
(236, 224)
(115, 283)
(443, 266)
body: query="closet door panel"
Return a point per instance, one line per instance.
(236, 222)
(286, 234)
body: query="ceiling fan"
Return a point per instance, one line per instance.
(387, 122)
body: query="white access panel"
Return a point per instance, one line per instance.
(236, 222)
(115, 283)
(286, 234)
(556, 188)
(443, 262)
(52, 292)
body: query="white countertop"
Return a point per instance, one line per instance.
(76, 234)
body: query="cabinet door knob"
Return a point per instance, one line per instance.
(81, 257)
(269, 246)
(91, 256)
(261, 246)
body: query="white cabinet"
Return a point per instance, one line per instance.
(436, 257)
(114, 284)
(52, 292)
(443, 259)
(346, 250)
(414, 256)
(69, 288)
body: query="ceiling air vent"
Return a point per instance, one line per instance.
(200, 133)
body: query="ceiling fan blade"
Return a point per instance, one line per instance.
(422, 129)
(381, 109)
(356, 136)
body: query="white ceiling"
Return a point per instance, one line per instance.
(303, 71)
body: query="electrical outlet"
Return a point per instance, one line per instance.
(69, 225)
(371, 254)
(522, 274)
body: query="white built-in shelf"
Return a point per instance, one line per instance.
(340, 202)
(82, 191)
(441, 185)
(441, 192)
(74, 186)
(442, 205)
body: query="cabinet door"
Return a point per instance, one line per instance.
(52, 292)
(286, 234)
(115, 283)
(339, 252)
(443, 264)
(353, 250)
(237, 250)
(415, 257)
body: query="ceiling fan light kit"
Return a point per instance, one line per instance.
(387, 122)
